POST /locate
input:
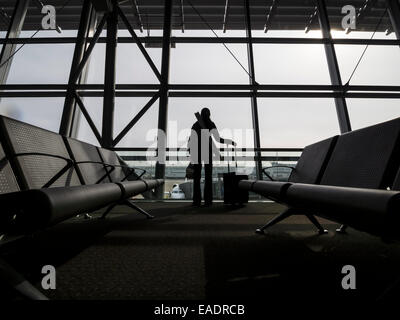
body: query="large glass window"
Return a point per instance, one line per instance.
(209, 63)
(97, 62)
(232, 117)
(296, 123)
(144, 132)
(380, 65)
(94, 106)
(41, 112)
(291, 64)
(366, 112)
(132, 66)
(233, 120)
(41, 64)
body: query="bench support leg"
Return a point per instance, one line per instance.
(110, 207)
(342, 229)
(19, 283)
(285, 214)
(140, 210)
(315, 222)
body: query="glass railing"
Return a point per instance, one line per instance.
(276, 164)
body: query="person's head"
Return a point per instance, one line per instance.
(205, 113)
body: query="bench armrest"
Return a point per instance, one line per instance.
(264, 170)
(132, 170)
(113, 166)
(70, 164)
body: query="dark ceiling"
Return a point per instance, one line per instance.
(283, 15)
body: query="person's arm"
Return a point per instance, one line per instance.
(215, 133)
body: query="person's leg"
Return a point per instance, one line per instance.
(208, 192)
(196, 185)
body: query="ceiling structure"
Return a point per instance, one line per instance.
(219, 14)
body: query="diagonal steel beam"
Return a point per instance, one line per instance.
(333, 66)
(84, 75)
(87, 117)
(14, 29)
(226, 12)
(69, 103)
(136, 119)
(89, 50)
(139, 43)
(270, 14)
(137, 14)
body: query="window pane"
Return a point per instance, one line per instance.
(238, 127)
(132, 67)
(94, 106)
(42, 112)
(41, 64)
(143, 132)
(96, 64)
(379, 66)
(296, 123)
(290, 64)
(208, 63)
(366, 112)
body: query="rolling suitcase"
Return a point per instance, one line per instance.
(232, 194)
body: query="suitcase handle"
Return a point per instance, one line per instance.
(234, 156)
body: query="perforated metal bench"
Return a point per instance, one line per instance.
(343, 179)
(46, 178)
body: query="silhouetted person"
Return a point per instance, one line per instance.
(209, 129)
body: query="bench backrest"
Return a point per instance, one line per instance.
(365, 158)
(313, 161)
(34, 171)
(110, 157)
(8, 182)
(91, 173)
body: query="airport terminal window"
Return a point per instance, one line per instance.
(132, 67)
(208, 63)
(181, 118)
(42, 112)
(41, 64)
(364, 112)
(144, 131)
(379, 66)
(96, 64)
(291, 64)
(295, 123)
(94, 106)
